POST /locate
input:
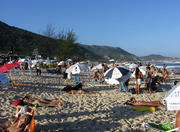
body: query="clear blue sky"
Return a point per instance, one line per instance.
(141, 27)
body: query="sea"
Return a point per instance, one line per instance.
(170, 65)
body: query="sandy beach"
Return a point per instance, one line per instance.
(89, 113)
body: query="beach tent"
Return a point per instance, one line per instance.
(77, 68)
(172, 98)
(4, 81)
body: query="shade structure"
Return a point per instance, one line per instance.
(116, 72)
(77, 68)
(61, 63)
(111, 60)
(112, 81)
(68, 60)
(7, 67)
(172, 98)
(131, 66)
(99, 67)
(4, 81)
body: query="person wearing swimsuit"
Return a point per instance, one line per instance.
(138, 78)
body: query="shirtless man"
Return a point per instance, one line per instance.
(178, 120)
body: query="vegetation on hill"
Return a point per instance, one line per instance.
(62, 46)
(24, 43)
(110, 52)
(153, 57)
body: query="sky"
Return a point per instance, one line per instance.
(141, 27)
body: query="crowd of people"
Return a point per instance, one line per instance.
(152, 72)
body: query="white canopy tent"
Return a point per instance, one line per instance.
(172, 98)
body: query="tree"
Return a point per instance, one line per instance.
(49, 31)
(68, 36)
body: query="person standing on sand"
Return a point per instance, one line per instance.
(63, 69)
(138, 78)
(165, 73)
(38, 69)
(149, 78)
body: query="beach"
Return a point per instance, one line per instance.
(104, 111)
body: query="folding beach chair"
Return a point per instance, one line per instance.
(168, 127)
(25, 110)
(31, 126)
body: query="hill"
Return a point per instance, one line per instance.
(154, 57)
(110, 52)
(24, 42)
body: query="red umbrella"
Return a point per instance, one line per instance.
(7, 67)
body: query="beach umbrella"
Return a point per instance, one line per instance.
(22, 60)
(7, 67)
(4, 81)
(68, 60)
(131, 66)
(77, 68)
(60, 63)
(172, 98)
(111, 60)
(99, 67)
(116, 72)
(112, 81)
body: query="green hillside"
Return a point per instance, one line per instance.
(111, 52)
(24, 42)
(153, 57)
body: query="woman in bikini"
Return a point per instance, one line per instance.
(80, 92)
(135, 102)
(42, 102)
(138, 78)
